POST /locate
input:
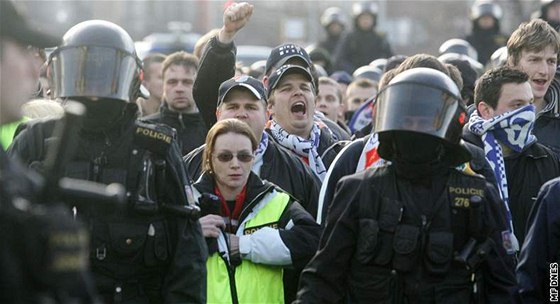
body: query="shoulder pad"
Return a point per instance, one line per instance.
(153, 137)
(465, 169)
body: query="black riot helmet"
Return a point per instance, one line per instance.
(425, 102)
(486, 8)
(333, 15)
(96, 60)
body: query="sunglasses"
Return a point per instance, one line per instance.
(228, 156)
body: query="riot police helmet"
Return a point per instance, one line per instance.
(364, 8)
(369, 72)
(96, 60)
(458, 46)
(379, 63)
(333, 15)
(422, 101)
(486, 8)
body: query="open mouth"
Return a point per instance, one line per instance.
(540, 82)
(299, 108)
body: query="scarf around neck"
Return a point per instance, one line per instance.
(304, 148)
(512, 129)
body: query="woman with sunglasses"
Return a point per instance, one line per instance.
(253, 228)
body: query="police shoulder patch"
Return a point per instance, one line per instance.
(466, 169)
(153, 137)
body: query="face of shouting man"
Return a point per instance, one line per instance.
(292, 99)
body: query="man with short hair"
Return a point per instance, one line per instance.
(291, 102)
(329, 101)
(289, 53)
(357, 93)
(533, 48)
(502, 124)
(179, 109)
(153, 82)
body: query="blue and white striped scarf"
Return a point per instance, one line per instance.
(512, 129)
(306, 148)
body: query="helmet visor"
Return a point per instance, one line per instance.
(92, 71)
(413, 107)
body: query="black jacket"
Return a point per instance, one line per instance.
(392, 241)
(526, 172)
(347, 161)
(547, 130)
(338, 131)
(541, 247)
(328, 147)
(150, 255)
(280, 167)
(216, 66)
(547, 125)
(359, 48)
(191, 130)
(28, 222)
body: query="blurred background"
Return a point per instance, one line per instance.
(411, 26)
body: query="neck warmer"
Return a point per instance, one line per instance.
(512, 129)
(305, 148)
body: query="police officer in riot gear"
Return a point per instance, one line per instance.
(333, 21)
(152, 250)
(417, 230)
(364, 44)
(486, 36)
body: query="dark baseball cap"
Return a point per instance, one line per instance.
(14, 26)
(255, 86)
(288, 69)
(282, 53)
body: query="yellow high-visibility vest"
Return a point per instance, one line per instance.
(256, 283)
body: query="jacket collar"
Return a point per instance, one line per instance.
(255, 186)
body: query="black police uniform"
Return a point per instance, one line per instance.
(486, 41)
(394, 240)
(360, 47)
(34, 266)
(332, 15)
(138, 254)
(143, 252)
(414, 232)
